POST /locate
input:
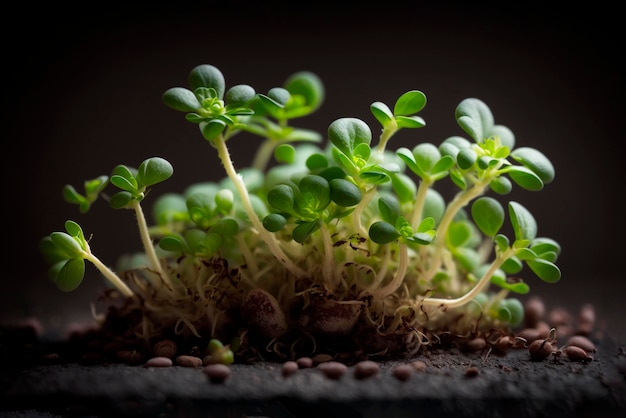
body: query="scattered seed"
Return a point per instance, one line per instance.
(165, 348)
(289, 368)
(540, 349)
(419, 366)
(574, 353)
(534, 310)
(475, 344)
(503, 344)
(559, 316)
(529, 334)
(321, 358)
(217, 373)
(543, 328)
(304, 362)
(472, 371)
(159, 361)
(333, 369)
(403, 372)
(365, 369)
(582, 342)
(189, 361)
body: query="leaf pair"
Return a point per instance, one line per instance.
(133, 182)
(66, 253)
(403, 115)
(394, 226)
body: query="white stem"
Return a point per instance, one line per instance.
(480, 286)
(265, 235)
(109, 274)
(148, 245)
(328, 266)
(396, 281)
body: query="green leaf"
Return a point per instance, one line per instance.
(67, 245)
(409, 103)
(511, 311)
(281, 197)
(545, 270)
(71, 274)
(226, 227)
(434, 205)
(501, 185)
(285, 153)
(201, 208)
(389, 208)
(475, 118)
(523, 222)
(307, 85)
(304, 230)
(239, 95)
(346, 133)
(459, 233)
(207, 76)
(316, 162)
(524, 177)
(274, 222)
(344, 192)
(516, 287)
(404, 186)
(501, 242)
(546, 248)
(50, 251)
(382, 232)
(382, 113)
(512, 265)
(212, 129)
(410, 122)
(154, 170)
(181, 99)
(466, 158)
(488, 215)
(172, 243)
(535, 161)
(121, 200)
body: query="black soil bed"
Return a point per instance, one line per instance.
(443, 383)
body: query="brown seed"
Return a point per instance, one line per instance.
(365, 369)
(289, 368)
(217, 373)
(321, 358)
(333, 369)
(304, 362)
(540, 349)
(503, 343)
(189, 361)
(574, 353)
(403, 372)
(543, 328)
(529, 334)
(534, 310)
(559, 316)
(582, 342)
(475, 344)
(165, 348)
(159, 362)
(472, 371)
(419, 366)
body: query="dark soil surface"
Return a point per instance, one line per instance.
(443, 383)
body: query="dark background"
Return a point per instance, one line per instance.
(82, 93)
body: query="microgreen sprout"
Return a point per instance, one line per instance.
(344, 237)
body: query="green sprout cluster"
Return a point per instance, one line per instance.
(338, 233)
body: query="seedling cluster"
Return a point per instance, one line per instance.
(327, 242)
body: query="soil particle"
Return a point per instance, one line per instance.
(419, 365)
(472, 371)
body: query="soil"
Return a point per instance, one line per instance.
(40, 379)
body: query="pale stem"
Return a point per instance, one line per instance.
(396, 281)
(247, 255)
(420, 198)
(109, 274)
(480, 286)
(328, 266)
(459, 201)
(264, 154)
(148, 245)
(358, 212)
(385, 136)
(265, 235)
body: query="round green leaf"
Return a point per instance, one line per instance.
(524, 177)
(121, 200)
(501, 185)
(274, 222)
(281, 197)
(545, 270)
(169, 208)
(475, 118)
(488, 214)
(285, 153)
(239, 95)
(212, 129)
(466, 158)
(67, 245)
(346, 133)
(535, 161)
(304, 230)
(409, 103)
(410, 122)
(523, 222)
(344, 192)
(382, 232)
(207, 76)
(171, 243)
(181, 99)
(307, 85)
(154, 170)
(71, 274)
(382, 113)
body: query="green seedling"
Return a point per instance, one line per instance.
(346, 239)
